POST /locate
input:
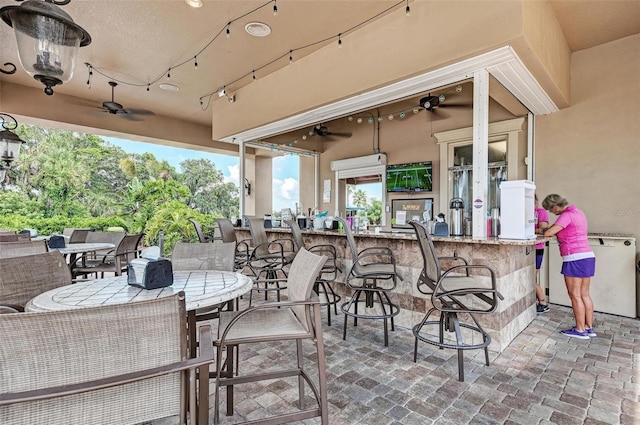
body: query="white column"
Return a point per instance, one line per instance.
(241, 177)
(316, 180)
(480, 152)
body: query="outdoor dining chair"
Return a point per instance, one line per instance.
(20, 248)
(461, 290)
(103, 255)
(9, 237)
(268, 260)
(116, 364)
(324, 283)
(373, 274)
(125, 251)
(203, 256)
(296, 319)
(24, 277)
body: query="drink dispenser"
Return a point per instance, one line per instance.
(456, 224)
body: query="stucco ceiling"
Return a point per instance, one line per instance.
(137, 41)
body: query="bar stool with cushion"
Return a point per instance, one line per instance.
(462, 290)
(296, 319)
(268, 260)
(373, 275)
(324, 283)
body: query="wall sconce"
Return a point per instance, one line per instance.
(10, 144)
(48, 40)
(247, 187)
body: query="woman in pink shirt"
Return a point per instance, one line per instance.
(578, 261)
(542, 222)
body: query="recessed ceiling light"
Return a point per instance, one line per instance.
(169, 87)
(194, 3)
(257, 29)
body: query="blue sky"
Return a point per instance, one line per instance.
(285, 169)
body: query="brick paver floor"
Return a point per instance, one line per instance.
(543, 377)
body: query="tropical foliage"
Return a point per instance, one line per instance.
(69, 179)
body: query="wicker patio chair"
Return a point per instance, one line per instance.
(79, 235)
(116, 364)
(125, 251)
(324, 283)
(462, 290)
(372, 274)
(20, 248)
(297, 319)
(269, 259)
(228, 234)
(22, 278)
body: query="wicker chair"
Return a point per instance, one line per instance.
(269, 259)
(454, 292)
(79, 235)
(123, 363)
(203, 256)
(126, 250)
(228, 234)
(22, 278)
(296, 319)
(372, 274)
(20, 248)
(324, 283)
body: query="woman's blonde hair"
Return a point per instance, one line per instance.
(554, 199)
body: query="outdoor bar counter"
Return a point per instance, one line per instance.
(513, 262)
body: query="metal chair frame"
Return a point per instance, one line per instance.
(453, 292)
(324, 282)
(375, 268)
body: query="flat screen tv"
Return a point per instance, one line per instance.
(412, 177)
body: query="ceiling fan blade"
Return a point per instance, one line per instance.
(436, 115)
(139, 111)
(339, 134)
(455, 105)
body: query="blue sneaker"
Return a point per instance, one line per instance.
(573, 332)
(591, 332)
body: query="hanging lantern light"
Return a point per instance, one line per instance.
(48, 40)
(10, 144)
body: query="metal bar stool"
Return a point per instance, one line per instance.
(324, 282)
(372, 274)
(454, 292)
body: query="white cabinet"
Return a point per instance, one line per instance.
(517, 216)
(613, 287)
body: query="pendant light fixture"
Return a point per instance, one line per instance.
(48, 40)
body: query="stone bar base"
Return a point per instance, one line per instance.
(513, 262)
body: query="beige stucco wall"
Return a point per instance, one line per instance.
(590, 151)
(394, 48)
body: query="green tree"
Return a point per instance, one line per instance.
(209, 193)
(374, 211)
(360, 198)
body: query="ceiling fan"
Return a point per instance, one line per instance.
(323, 131)
(116, 108)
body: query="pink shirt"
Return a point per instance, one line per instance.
(541, 215)
(573, 237)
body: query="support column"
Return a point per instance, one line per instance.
(480, 152)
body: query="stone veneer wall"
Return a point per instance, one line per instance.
(512, 261)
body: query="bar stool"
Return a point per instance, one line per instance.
(372, 274)
(269, 260)
(454, 292)
(328, 274)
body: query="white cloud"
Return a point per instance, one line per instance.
(285, 193)
(234, 174)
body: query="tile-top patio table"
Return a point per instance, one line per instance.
(202, 288)
(73, 249)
